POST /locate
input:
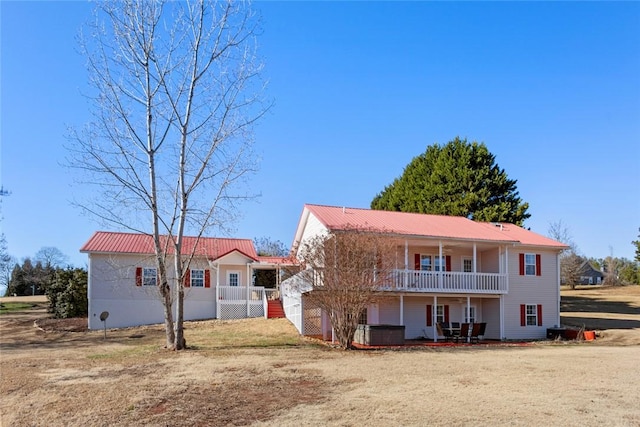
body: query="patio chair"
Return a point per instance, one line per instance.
(477, 331)
(464, 333)
(444, 330)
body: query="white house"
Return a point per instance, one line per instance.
(449, 269)
(122, 280)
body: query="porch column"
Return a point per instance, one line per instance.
(468, 312)
(502, 317)
(475, 266)
(558, 267)
(248, 289)
(401, 309)
(405, 279)
(434, 318)
(506, 268)
(218, 292)
(440, 262)
(406, 254)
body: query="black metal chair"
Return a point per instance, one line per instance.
(478, 331)
(464, 333)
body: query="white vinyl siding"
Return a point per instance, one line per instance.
(542, 290)
(110, 289)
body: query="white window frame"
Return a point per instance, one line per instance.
(440, 313)
(531, 319)
(149, 276)
(528, 263)
(434, 265)
(474, 314)
(464, 260)
(424, 267)
(197, 282)
(229, 274)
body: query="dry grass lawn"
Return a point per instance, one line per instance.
(260, 372)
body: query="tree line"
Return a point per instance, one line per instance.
(48, 274)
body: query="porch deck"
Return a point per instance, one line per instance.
(448, 282)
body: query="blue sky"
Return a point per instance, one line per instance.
(360, 88)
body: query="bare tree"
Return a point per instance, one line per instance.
(346, 270)
(611, 270)
(177, 91)
(570, 261)
(50, 256)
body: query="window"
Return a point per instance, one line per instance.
(470, 317)
(149, 276)
(197, 278)
(529, 264)
(425, 262)
(234, 278)
(532, 315)
(432, 263)
(467, 265)
(440, 314)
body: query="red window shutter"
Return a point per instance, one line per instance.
(539, 314)
(446, 313)
(416, 262)
(207, 279)
(522, 264)
(429, 315)
(523, 315)
(138, 276)
(448, 262)
(538, 263)
(187, 278)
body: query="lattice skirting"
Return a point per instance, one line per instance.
(239, 310)
(312, 321)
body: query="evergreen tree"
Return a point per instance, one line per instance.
(458, 178)
(636, 243)
(67, 293)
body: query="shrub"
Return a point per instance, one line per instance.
(67, 293)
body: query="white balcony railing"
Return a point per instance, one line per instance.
(448, 281)
(239, 293)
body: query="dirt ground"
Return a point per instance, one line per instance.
(260, 372)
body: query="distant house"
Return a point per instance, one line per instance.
(449, 269)
(219, 284)
(589, 275)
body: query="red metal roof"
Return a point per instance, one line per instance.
(437, 226)
(132, 243)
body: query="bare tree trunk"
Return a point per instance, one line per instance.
(178, 90)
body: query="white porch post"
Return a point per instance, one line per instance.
(475, 258)
(468, 312)
(248, 289)
(405, 281)
(218, 292)
(475, 266)
(501, 317)
(506, 267)
(440, 262)
(558, 268)
(434, 318)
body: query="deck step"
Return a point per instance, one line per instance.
(275, 309)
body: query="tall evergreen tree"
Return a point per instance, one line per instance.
(459, 178)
